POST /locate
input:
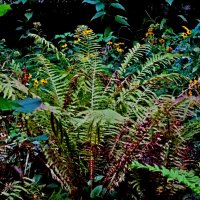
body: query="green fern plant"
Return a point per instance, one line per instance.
(186, 177)
(96, 126)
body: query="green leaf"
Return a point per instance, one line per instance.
(98, 178)
(98, 14)
(7, 104)
(196, 49)
(28, 15)
(121, 20)
(162, 23)
(96, 191)
(117, 5)
(19, 28)
(91, 1)
(183, 18)
(107, 31)
(39, 138)
(4, 8)
(169, 2)
(21, 1)
(100, 6)
(37, 178)
(28, 105)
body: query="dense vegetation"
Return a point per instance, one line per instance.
(95, 112)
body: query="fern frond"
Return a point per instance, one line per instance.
(133, 56)
(58, 80)
(12, 88)
(186, 177)
(41, 40)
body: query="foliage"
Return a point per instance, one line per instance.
(90, 106)
(4, 8)
(104, 9)
(188, 178)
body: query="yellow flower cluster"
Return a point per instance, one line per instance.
(64, 46)
(150, 33)
(188, 32)
(87, 32)
(42, 81)
(29, 76)
(194, 84)
(77, 41)
(36, 83)
(118, 46)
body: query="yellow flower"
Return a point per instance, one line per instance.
(161, 40)
(150, 34)
(195, 82)
(43, 81)
(169, 49)
(119, 50)
(86, 32)
(36, 83)
(184, 35)
(64, 45)
(29, 76)
(190, 93)
(189, 32)
(109, 43)
(77, 41)
(116, 45)
(185, 28)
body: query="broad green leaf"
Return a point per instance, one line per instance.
(183, 18)
(7, 104)
(162, 23)
(98, 14)
(121, 20)
(117, 5)
(28, 15)
(107, 31)
(28, 105)
(21, 1)
(196, 49)
(96, 191)
(91, 1)
(100, 6)
(98, 178)
(37, 178)
(19, 28)
(4, 8)
(169, 2)
(39, 138)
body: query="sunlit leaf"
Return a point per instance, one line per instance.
(169, 2)
(96, 191)
(98, 14)
(121, 20)
(100, 6)
(28, 15)
(4, 8)
(117, 5)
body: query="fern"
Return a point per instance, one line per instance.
(11, 87)
(186, 177)
(16, 189)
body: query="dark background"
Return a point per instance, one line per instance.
(58, 17)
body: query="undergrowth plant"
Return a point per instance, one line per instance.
(99, 120)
